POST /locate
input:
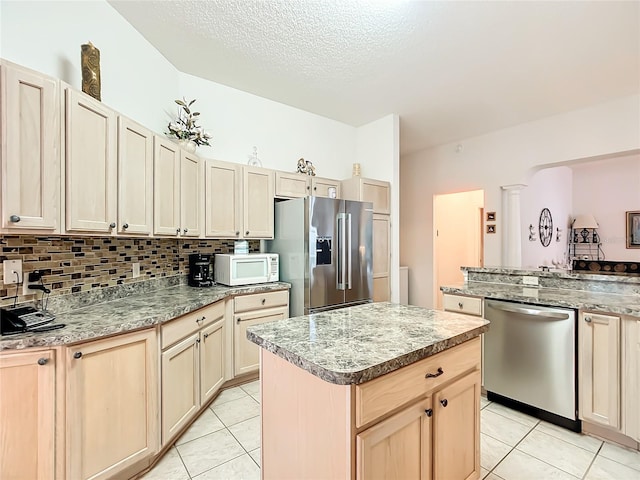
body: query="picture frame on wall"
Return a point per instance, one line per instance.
(633, 229)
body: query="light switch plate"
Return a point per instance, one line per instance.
(530, 280)
(11, 266)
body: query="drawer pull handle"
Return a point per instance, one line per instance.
(434, 375)
(429, 412)
(42, 361)
(77, 355)
(263, 300)
(460, 305)
(587, 319)
(444, 402)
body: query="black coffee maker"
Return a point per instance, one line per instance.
(201, 270)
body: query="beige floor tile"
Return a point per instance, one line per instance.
(229, 395)
(247, 433)
(502, 428)
(255, 454)
(207, 452)
(519, 417)
(584, 441)
(170, 466)
(484, 402)
(240, 468)
(252, 388)
(558, 453)
(626, 456)
(206, 423)
(493, 476)
(605, 469)
(483, 472)
(492, 451)
(237, 411)
(520, 466)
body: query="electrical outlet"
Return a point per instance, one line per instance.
(11, 268)
(529, 280)
(136, 269)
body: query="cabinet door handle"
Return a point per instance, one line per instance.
(185, 230)
(14, 218)
(178, 231)
(587, 319)
(247, 232)
(112, 225)
(125, 226)
(77, 355)
(308, 187)
(429, 412)
(444, 402)
(238, 320)
(205, 335)
(263, 300)
(434, 375)
(460, 305)
(237, 233)
(315, 188)
(42, 361)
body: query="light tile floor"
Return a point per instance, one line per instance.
(224, 443)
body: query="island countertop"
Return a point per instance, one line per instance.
(356, 344)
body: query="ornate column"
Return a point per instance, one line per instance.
(511, 226)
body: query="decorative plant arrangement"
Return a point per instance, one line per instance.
(185, 126)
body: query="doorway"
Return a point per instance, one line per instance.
(458, 237)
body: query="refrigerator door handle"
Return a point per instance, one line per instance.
(341, 271)
(349, 251)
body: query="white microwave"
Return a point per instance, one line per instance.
(233, 270)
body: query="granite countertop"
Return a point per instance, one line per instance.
(129, 313)
(356, 344)
(556, 297)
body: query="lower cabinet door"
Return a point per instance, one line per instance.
(397, 448)
(456, 429)
(27, 413)
(211, 360)
(246, 354)
(180, 382)
(112, 395)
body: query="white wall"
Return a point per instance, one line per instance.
(549, 188)
(500, 158)
(607, 189)
(46, 36)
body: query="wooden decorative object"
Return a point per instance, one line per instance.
(90, 62)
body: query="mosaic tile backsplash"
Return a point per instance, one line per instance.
(80, 264)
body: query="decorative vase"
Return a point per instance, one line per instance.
(188, 145)
(90, 62)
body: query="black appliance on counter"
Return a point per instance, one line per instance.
(201, 270)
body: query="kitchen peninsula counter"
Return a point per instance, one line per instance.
(377, 390)
(105, 316)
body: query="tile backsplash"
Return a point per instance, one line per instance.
(80, 264)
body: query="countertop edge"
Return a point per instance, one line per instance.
(370, 373)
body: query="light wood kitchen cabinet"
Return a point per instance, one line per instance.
(135, 178)
(177, 190)
(111, 405)
(250, 310)
(381, 258)
(91, 164)
(367, 190)
(296, 185)
(239, 201)
(27, 415)
(192, 363)
(30, 154)
(599, 369)
(631, 378)
(421, 421)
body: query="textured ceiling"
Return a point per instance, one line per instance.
(451, 70)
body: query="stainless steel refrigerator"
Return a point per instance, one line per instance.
(324, 246)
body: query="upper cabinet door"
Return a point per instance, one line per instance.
(320, 187)
(135, 177)
(30, 149)
(166, 187)
(292, 185)
(257, 204)
(191, 197)
(91, 168)
(223, 214)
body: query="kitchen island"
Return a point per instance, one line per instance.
(374, 391)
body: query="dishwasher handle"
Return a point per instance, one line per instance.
(533, 312)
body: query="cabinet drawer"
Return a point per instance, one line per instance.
(386, 393)
(179, 328)
(261, 300)
(462, 304)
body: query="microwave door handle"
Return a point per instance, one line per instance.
(349, 250)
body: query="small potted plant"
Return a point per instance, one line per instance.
(185, 128)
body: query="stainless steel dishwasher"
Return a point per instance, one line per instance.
(530, 360)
